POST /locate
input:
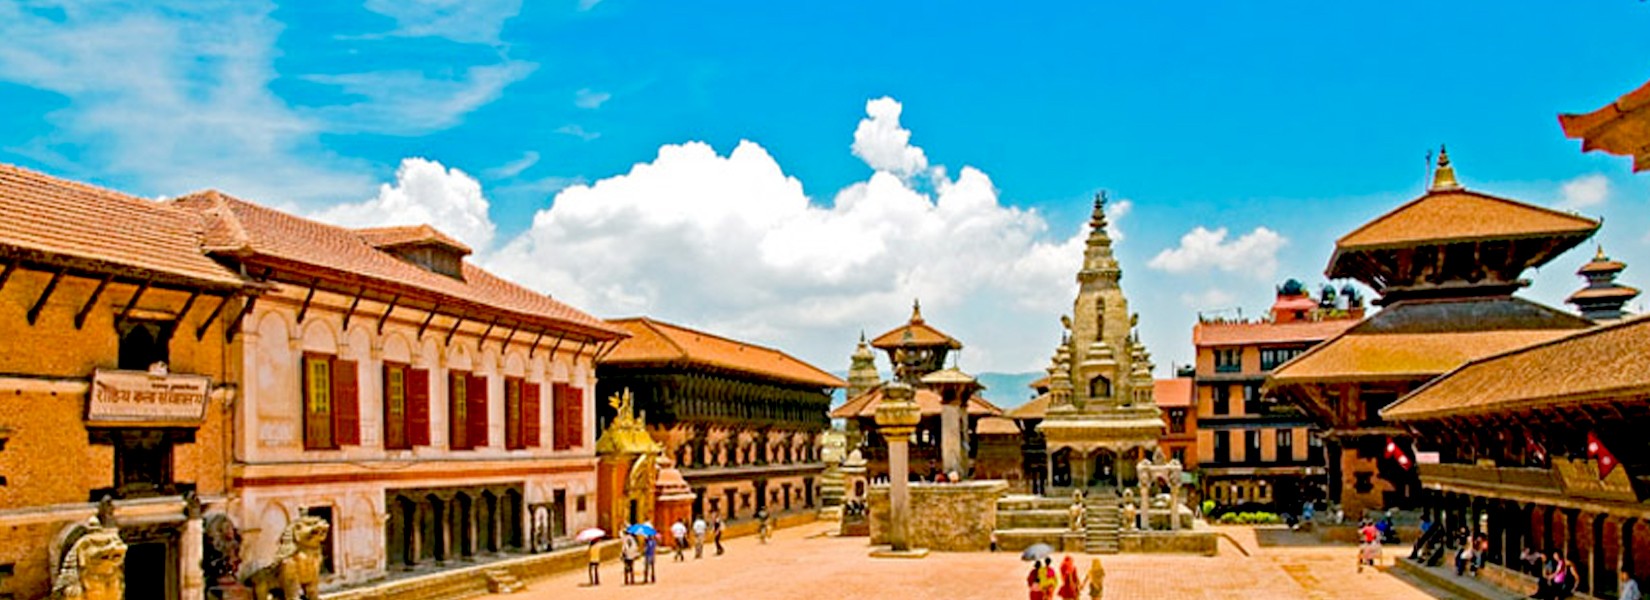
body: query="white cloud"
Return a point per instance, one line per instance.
(465, 21)
(578, 132)
(883, 144)
(1254, 254)
(411, 103)
(424, 192)
(1208, 299)
(176, 98)
(514, 167)
(1115, 211)
(731, 243)
(590, 99)
(1585, 191)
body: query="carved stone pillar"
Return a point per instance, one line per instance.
(897, 418)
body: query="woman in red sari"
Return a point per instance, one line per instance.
(1034, 581)
(1068, 579)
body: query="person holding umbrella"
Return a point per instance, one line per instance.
(593, 535)
(632, 550)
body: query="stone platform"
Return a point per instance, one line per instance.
(945, 517)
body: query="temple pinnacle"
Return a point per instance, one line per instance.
(1443, 178)
(916, 310)
(1098, 219)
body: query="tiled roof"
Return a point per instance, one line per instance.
(1234, 334)
(388, 237)
(1604, 363)
(1422, 339)
(656, 343)
(865, 405)
(996, 426)
(1460, 215)
(1621, 127)
(1174, 392)
(1037, 408)
(97, 229)
(249, 231)
(922, 334)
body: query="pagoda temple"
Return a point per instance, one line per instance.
(1602, 299)
(1446, 266)
(1101, 419)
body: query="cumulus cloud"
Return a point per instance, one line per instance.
(1208, 299)
(883, 144)
(467, 21)
(731, 242)
(1115, 211)
(1585, 191)
(424, 192)
(1254, 253)
(590, 99)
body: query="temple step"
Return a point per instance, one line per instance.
(1103, 525)
(500, 581)
(1033, 519)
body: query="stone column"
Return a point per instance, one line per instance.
(189, 556)
(951, 432)
(897, 417)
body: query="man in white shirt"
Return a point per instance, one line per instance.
(699, 527)
(679, 531)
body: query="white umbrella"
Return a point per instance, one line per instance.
(591, 534)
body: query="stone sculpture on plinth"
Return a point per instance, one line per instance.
(297, 565)
(94, 566)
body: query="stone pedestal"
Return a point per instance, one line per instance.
(951, 432)
(897, 417)
(944, 517)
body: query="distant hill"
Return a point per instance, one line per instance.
(1006, 390)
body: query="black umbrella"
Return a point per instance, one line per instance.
(1037, 551)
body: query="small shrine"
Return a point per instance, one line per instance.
(635, 483)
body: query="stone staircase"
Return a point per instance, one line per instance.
(1104, 523)
(500, 581)
(1023, 520)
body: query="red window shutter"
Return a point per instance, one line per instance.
(418, 407)
(530, 415)
(512, 413)
(558, 415)
(575, 417)
(346, 403)
(477, 411)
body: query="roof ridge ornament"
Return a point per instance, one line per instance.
(916, 310)
(1443, 179)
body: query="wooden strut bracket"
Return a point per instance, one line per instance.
(387, 310)
(235, 325)
(183, 313)
(46, 294)
(450, 332)
(138, 295)
(485, 333)
(533, 350)
(308, 296)
(351, 312)
(557, 346)
(200, 332)
(505, 347)
(86, 309)
(426, 324)
(6, 274)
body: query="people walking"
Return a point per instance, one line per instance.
(678, 538)
(762, 524)
(1096, 580)
(629, 552)
(1629, 588)
(1034, 580)
(595, 564)
(649, 552)
(1069, 582)
(716, 530)
(1048, 579)
(699, 529)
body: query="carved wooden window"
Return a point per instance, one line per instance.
(1286, 445)
(144, 343)
(331, 399)
(406, 406)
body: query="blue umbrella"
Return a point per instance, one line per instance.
(642, 529)
(1037, 551)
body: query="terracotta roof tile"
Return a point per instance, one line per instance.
(1621, 127)
(1604, 363)
(251, 231)
(657, 342)
(102, 229)
(865, 405)
(1174, 392)
(1234, 334)
(1423, 339)
(1451, 215)
(1037, 408)
(997, 426)
(406, 235)
(922, 334)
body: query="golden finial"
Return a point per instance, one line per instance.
(1443, 179)
(916, 310)
(1600, 257)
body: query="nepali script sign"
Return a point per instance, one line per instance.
(142, 397)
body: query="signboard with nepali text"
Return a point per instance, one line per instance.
(137, 398)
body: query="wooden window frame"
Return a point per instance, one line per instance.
(512, 414)
(314, 418)
(397, 429)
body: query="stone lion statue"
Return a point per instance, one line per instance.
(297, 564)
(94, 568)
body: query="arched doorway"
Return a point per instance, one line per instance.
(1103, 469)
(1126, 472)
(1060, 468)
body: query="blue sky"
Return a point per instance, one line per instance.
(556, 137)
